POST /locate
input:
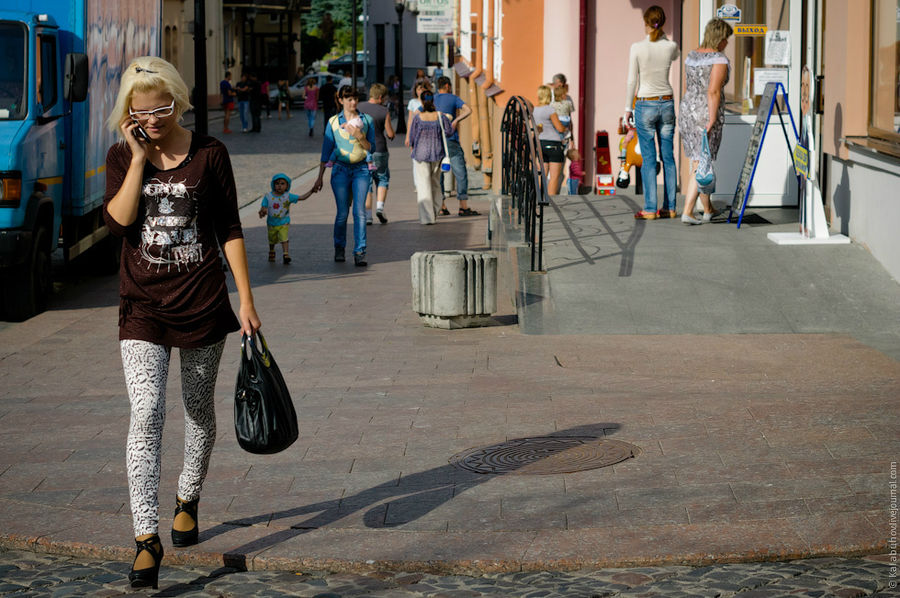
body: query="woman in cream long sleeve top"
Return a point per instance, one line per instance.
(654, 110)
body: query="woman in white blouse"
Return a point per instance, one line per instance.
(654, 110)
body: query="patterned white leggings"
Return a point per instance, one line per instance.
(146, 368)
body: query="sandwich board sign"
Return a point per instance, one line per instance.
(813, 229)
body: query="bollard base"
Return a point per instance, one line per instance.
(454, 322)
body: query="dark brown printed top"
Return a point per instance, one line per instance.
(172, 284)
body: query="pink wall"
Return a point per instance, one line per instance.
(612, 28)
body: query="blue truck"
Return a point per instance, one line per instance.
(60, 64)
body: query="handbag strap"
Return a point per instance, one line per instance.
(262, 350)
(441, 117)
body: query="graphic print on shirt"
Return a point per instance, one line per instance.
(280, 206)
(169, 232)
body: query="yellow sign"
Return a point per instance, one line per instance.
(749, 29)
(801, 160)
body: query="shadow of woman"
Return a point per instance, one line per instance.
(390, 504)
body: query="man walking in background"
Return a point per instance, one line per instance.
(453, 106)
(326, 94)
(381, 175)
(255, 103)
(228, 94)
(243, 99)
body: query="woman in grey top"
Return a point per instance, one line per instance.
(550, 132)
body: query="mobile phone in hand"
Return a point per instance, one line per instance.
(139, 133)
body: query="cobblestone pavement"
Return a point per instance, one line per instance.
(30, 574)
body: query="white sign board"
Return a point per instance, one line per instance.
(778, 48)
(435, 16)
(763, 76)
(729, 12)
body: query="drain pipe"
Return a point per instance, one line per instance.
(487, 156)
(473, 90)
(582, 74)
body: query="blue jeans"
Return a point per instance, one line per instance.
(311, 118)
(350, 184)
(244, 111)
(651, 119)
(458, 165)
(573, 186)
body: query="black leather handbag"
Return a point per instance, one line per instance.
(264, 418)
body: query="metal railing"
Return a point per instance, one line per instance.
(523, 173)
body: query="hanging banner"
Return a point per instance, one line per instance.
(435, 16)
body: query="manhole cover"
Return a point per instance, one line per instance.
(545, 455)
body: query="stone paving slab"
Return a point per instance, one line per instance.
(662, 277)
(752, 446)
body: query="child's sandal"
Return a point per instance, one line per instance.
(286, 259)
(271, 256)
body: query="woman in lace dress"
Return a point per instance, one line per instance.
(703, 108)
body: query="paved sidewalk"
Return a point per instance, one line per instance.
(611, 274)
(752, 446)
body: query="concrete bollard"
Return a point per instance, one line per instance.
(454, 289)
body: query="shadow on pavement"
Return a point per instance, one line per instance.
(387, 505)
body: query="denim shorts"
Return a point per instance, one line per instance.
(381, 176)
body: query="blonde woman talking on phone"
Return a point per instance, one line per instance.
(170, 196)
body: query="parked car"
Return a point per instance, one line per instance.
(296, 90)
(345, 63)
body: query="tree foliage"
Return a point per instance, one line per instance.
(329, 25)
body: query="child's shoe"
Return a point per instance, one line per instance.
(286, 259)
(271, 256)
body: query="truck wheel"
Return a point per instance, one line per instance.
(103, 258)
(29, 284)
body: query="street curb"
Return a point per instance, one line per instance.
(476, 567)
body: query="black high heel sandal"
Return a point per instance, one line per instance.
(182, 539)
(149, 576)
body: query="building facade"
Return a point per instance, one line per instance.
(852, 50)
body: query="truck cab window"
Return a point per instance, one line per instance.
(47, 77)
(12, 71)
